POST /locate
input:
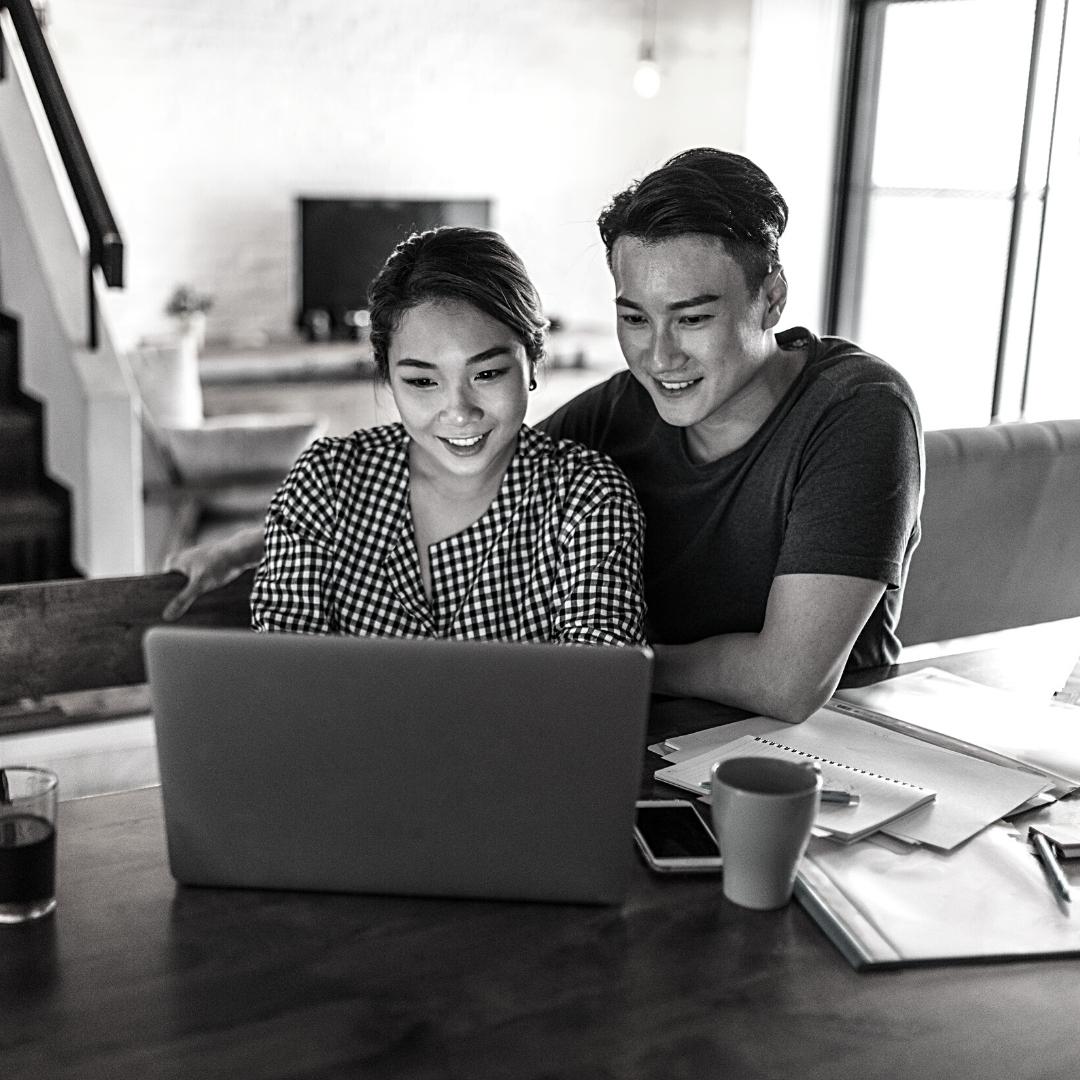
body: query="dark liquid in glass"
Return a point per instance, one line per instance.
(27, 858)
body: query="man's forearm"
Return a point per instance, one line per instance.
(736, 669)
(791, 667)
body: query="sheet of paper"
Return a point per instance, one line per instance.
(1040, 733)
(970, 793)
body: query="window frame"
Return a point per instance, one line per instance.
(861, 62)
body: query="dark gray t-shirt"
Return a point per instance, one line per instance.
(830, 484)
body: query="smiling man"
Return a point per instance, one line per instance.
(780, 473)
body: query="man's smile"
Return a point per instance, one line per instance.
(676, 386)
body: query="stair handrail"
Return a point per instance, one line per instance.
(106, 243)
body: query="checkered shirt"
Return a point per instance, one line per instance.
(556, 557)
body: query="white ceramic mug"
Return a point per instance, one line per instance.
(762, 811)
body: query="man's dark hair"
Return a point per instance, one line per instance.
(455, 262)
(704, 191)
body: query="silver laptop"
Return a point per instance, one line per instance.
(423, 767)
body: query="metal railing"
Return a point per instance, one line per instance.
(106, 244)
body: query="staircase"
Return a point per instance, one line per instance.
(35, 514)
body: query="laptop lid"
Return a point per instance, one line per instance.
(424, 767)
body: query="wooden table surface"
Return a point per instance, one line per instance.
(137, 977)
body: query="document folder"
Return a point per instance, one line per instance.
(987, 900)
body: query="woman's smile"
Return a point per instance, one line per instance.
(465, 445)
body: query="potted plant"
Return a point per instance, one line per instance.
(189, 307)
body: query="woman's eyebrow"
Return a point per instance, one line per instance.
(479, 358)
(488, 354)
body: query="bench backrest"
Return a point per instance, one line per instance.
(86, 634)
(1000, 531)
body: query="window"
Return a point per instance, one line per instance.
(938, 265)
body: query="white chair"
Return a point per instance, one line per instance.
(198, 468)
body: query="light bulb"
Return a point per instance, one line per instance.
(647, 78)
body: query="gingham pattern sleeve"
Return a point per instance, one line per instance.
(293, 589)
(599, 588)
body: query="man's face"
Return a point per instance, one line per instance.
(692, 332)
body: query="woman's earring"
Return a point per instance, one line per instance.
(532, 383)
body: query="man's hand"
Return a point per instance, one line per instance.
(209, 566)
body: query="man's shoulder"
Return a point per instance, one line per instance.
(588, 416)
(842, 361)
(842, 369)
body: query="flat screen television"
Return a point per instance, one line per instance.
(343, 242)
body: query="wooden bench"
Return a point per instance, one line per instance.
(71, 636)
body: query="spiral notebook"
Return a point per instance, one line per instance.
(882, 799)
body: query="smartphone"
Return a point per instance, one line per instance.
(674, 838)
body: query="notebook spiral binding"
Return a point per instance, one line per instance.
(838, 764)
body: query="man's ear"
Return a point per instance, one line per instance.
(775, 286)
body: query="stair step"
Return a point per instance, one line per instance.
(20, 449)
(9, 359)
(34, 540)
(28, 513)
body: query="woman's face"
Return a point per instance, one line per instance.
(460, 380)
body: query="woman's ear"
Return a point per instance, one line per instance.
(775, 286)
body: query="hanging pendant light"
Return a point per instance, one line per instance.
(647, 73)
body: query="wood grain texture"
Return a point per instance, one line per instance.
(60, 636)
(137, 977)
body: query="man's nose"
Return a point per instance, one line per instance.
(665, 354)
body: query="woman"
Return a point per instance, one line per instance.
(460, 521)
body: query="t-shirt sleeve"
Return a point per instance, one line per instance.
(857, 496)
(599, 589)
(293, 588)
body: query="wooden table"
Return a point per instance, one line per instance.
(136, 977)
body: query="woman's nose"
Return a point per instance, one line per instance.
(460, 407)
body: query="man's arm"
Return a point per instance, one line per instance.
(792, 666)
(209, 566)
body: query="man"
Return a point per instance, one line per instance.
(780, 473)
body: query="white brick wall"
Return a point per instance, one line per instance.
(208, 118)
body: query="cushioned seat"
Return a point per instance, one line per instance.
(1001, 531)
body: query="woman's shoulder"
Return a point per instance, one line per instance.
(378, 443)
(578, 468)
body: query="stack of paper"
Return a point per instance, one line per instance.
(962, 885)
(881, 799)
(970, 793)
(978, 719)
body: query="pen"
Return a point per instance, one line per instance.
(844, 798)
(1050, 864)
(829, 795)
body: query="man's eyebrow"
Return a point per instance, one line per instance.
(479, 358)
(677, 305)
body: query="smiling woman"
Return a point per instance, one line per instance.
(460, 521)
